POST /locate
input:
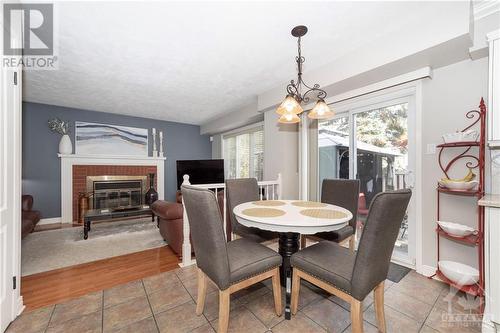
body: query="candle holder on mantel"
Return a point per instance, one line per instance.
(161, 144)
(155, 152)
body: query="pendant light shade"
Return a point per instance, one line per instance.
(321, 111)
(289, 118)
(289, 106)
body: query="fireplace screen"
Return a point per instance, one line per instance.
(116, 191)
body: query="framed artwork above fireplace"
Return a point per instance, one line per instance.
(105, 139)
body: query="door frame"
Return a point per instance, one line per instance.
(11, 115)
(411, 91)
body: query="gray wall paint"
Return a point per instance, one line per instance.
(281, 146)
(446, 98)
(41, 166)
(217, 146)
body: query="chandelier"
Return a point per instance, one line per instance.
(298, 92)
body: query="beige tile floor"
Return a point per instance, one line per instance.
(166, 303)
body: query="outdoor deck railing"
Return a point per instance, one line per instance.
(268, 190)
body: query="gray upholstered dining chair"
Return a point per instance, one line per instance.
(239, 191)
(352, 276)
(230, 266)
(343, 193)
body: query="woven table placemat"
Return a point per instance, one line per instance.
(263, 212)
(323, 213)
(308, 204)
(269, 203)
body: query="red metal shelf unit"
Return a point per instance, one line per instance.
(469, 193)
(470, 240)
(474, 160)
(459, 144)
(473, 289)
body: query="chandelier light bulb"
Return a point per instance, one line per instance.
(321, 111)
(289, 118)
(289, 105)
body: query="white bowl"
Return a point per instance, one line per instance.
(461, 274)
(456, 229)
(464, 186)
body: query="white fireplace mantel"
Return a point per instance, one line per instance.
(67, 162)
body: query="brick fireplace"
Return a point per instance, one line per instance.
(75, 169)
(81, 172)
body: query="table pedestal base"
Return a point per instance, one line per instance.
(288, 245)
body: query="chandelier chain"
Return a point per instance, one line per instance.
(295, 88)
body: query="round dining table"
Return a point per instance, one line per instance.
(291, 218)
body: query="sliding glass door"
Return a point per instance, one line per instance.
(372, 142)
(333, 148)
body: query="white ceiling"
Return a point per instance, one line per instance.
(193, 61)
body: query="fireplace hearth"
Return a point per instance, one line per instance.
(116, 191)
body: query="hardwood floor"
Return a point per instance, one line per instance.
(55, 286)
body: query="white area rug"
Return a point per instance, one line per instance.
(48, 250)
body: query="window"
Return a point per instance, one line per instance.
(244, 153)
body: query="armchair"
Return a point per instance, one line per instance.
(170, 220)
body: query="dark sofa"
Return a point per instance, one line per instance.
(29, 217)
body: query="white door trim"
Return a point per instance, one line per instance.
(397, 82)
(11, 168)
(418, 179)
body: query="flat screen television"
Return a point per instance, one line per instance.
(201, 171)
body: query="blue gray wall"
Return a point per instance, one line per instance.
(41, 166)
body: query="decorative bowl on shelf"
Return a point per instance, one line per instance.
(467, 136)
(456, 229)
(458, 185)
(459, 273)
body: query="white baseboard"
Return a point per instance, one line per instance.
(51, 220)
(488, 326)
(19, 305)
(403, 263)
(426, 270)
(192, 262)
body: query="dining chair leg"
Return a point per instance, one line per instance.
(277, 292)
(356, 316)
(223, 310)
(295, 292)
(303, 242)
(378, 294)
(202, 292)
(352, 243)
